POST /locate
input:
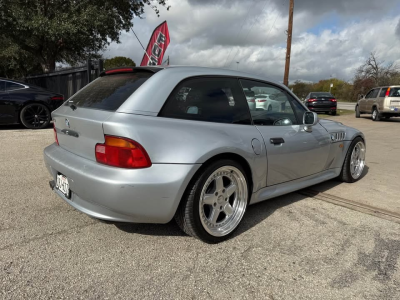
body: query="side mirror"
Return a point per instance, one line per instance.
(309, 119)
(194, 110)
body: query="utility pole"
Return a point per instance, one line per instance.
(289, 44)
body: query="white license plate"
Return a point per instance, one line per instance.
(62, 185)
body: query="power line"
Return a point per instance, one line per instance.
(241, 28)
(262, 11)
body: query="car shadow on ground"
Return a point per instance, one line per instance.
(255, 214)
(391, 120)
(21, 127)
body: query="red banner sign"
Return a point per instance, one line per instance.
(157, 46)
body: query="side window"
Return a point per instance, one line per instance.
(208, 99)
(11, 86)
(374, 93)
(2, 86)
(368, 95)
(276, 108)
(383, 92)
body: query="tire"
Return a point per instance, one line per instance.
(357, 112)
(269, 108)
(333, 113)
(35, 116)
(375, 115)
(347, 174)
(209, 221)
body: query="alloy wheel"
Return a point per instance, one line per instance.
(35, 116)
(357, 161)
(223, 201)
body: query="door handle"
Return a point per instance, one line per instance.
(277, 141)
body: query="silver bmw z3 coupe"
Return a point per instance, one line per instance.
(149, 144)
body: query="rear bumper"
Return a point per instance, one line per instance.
(322, 108)
(149, 195)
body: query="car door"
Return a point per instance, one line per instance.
(372, 97)
(6, 115)
(292, 153)
(362, 103)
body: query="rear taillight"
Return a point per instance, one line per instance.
(55, 98)
(387, 92)
(122, 152)
(311, 100)
(333, 100)
(251, 100)
(261, 100)
(55, 133)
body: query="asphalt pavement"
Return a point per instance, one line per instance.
(292, 247)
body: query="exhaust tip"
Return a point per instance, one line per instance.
(52, 184)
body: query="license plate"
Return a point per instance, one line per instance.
(62, 185)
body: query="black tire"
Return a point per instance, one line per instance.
(269, 108)
(333, 113)
(187, 215)
(375, 115)
(357, 112)
(35, 116)
(345, 174)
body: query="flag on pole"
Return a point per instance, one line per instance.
(157, 46)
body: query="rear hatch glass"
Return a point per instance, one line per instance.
(395, 92)
(109, 92)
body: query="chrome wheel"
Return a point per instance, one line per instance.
(374, 114)
(357, 160)
(223, 201)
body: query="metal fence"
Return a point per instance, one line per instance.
(68, 81)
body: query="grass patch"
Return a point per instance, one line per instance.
(339, 112)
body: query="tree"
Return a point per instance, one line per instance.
(68, 30)
(118, 61)
(377, 70)
(16, 63)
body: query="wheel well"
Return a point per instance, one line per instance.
(235, 157)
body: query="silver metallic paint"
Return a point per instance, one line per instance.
(178, 148)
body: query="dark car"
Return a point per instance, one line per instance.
(321, 102)
(27, 104)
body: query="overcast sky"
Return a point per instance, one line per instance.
(330, 38)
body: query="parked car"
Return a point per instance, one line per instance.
(321, 102)
(251, 99)
(264, 102)
(27, 104)
(129, 149)
(381, 102)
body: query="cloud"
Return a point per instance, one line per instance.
(221, 33)
(398, 30)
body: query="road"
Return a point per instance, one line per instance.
(292, 247)
(346, 105)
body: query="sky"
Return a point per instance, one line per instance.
(330, 38)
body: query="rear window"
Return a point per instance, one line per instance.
(110, 91)
(394, 92)
(321, 95)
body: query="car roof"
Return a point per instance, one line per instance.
(161, 84)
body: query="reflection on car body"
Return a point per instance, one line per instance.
(146, 154)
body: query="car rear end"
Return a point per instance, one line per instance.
(322, 102)
(99, 162)
(392, 101)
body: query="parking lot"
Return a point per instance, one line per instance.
(331, 241)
